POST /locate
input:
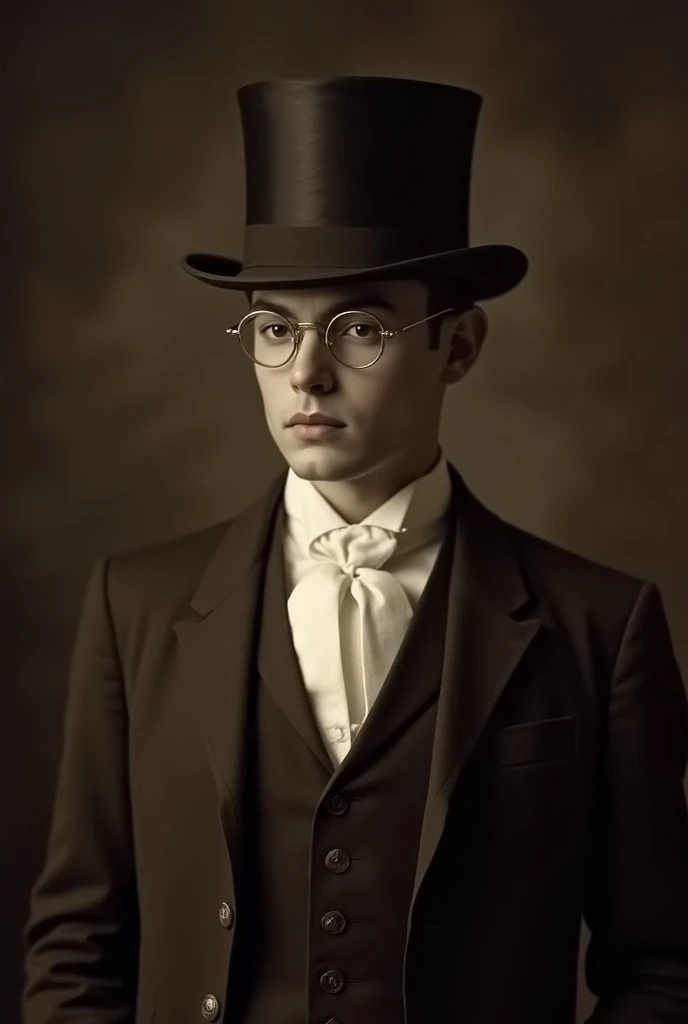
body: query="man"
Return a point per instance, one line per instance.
(367, 754)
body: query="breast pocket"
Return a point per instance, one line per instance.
(539, 742)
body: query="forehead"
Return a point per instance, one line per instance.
(381, 295)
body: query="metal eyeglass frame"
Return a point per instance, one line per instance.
(298, 329)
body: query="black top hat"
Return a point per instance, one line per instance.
(353, 179)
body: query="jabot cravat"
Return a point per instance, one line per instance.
(347, 564)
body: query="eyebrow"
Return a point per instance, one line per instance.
(361, 302)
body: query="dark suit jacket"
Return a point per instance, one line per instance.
(561, 701)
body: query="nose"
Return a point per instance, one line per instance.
(312, 365)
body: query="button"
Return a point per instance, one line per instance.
(226, 915)
(337, 861)
(332, 981)
(333, 922)
(210, 1008)
(337, 804)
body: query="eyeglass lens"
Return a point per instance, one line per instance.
(354, 338)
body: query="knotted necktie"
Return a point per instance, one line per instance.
(347, 565)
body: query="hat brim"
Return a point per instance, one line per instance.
(484, 272)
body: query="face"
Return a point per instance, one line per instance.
(390, 410)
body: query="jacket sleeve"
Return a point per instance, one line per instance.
(82, 932)
(636, 900)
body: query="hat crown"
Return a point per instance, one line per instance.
(359, 178)
(360, 152)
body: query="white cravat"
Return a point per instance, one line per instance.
(347, 560)
(413, 523)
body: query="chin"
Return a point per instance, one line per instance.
(320, 462)
(317, 466)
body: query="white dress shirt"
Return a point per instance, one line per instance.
(417, 513)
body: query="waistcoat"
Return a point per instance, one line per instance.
(328, 856)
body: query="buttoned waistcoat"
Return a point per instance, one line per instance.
(554, 792)
(329, 856)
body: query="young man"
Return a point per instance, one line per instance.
(367, 754)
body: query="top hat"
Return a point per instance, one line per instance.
(358, 178)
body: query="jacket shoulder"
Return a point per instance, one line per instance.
(571, 582)
(152, 585)
(163, 575)
(553, 574)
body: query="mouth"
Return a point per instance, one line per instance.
(316, 431)
(315, 418)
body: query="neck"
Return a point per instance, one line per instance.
(356, 499)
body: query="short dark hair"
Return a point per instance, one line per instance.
(449, 294)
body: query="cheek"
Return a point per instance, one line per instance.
(387, 403)
(403, 381)
(269, 395)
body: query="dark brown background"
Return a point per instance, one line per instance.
(129, 419)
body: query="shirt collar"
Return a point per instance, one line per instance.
(420, 504)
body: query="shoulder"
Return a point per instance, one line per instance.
(554, 575)
(155, 583)
(586, 600)
(551, 568)
(591, 606)
(163, 575)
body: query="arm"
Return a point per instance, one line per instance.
(636, 901)
(82, 932)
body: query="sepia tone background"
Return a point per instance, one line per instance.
(126, 416)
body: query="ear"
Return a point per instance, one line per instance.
(468, 332)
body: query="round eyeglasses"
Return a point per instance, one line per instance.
(355, 338)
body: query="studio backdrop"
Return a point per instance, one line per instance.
(129, 417)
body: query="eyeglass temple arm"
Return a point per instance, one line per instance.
(423, 321)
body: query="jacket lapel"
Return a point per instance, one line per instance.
(215, 644)
(485, 641)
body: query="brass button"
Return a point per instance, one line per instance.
(226, 915)
(210, 1008)
(337, 861)
(337, 804)
(332, 981)
(333, 922)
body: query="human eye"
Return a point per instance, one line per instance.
(361, 330)
(274, 330)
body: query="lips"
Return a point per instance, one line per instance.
(314, 419)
